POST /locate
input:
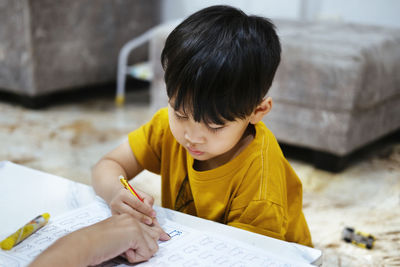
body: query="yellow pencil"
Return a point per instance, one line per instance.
(129, 187)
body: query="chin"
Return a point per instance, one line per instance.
(202, 157)
(199, 157)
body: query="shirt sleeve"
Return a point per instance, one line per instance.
(271, 206)
(146, 141)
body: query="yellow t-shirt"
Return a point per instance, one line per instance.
(256, 191)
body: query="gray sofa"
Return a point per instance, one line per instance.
(52, 46)
(336, 90)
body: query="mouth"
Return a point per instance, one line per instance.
(194, 151)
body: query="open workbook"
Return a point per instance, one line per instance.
(194, 241)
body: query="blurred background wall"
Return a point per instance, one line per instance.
(375, 12)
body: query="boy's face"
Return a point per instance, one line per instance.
(202, 141)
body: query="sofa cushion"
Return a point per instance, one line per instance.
(337, 66)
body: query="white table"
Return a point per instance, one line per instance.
(26, 193)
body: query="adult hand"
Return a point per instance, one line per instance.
(123, 233)
(103, 241)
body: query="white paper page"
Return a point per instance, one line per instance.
(25, 193)
(187, 247)
(190, 247)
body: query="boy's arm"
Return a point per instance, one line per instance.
(105, 181)
(120, 161)
(102, 241)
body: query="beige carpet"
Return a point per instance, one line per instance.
(68, 139)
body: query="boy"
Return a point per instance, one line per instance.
(216, 158)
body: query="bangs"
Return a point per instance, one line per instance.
(209, 89)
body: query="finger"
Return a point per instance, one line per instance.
(125, 203)
(148, 199)
(151, 241)
(118, 201)
(145, 246)
(134, 256)
(164, 236)
(142, 247)
(136, 214)
(156, 231)
(153, 231)
(114, 212)
(136, 204)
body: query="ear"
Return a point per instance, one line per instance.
(261, 110)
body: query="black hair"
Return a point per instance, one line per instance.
(219, 63)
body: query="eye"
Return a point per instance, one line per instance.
(215, 129)
(180, 116)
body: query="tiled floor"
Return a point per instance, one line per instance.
(68, 139)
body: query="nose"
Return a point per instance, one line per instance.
(193, 134)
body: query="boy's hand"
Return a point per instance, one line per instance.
(125, 202)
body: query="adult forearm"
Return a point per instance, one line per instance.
(70, 250)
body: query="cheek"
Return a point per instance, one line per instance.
(227, 141)
(175, 129)
(222, 142)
